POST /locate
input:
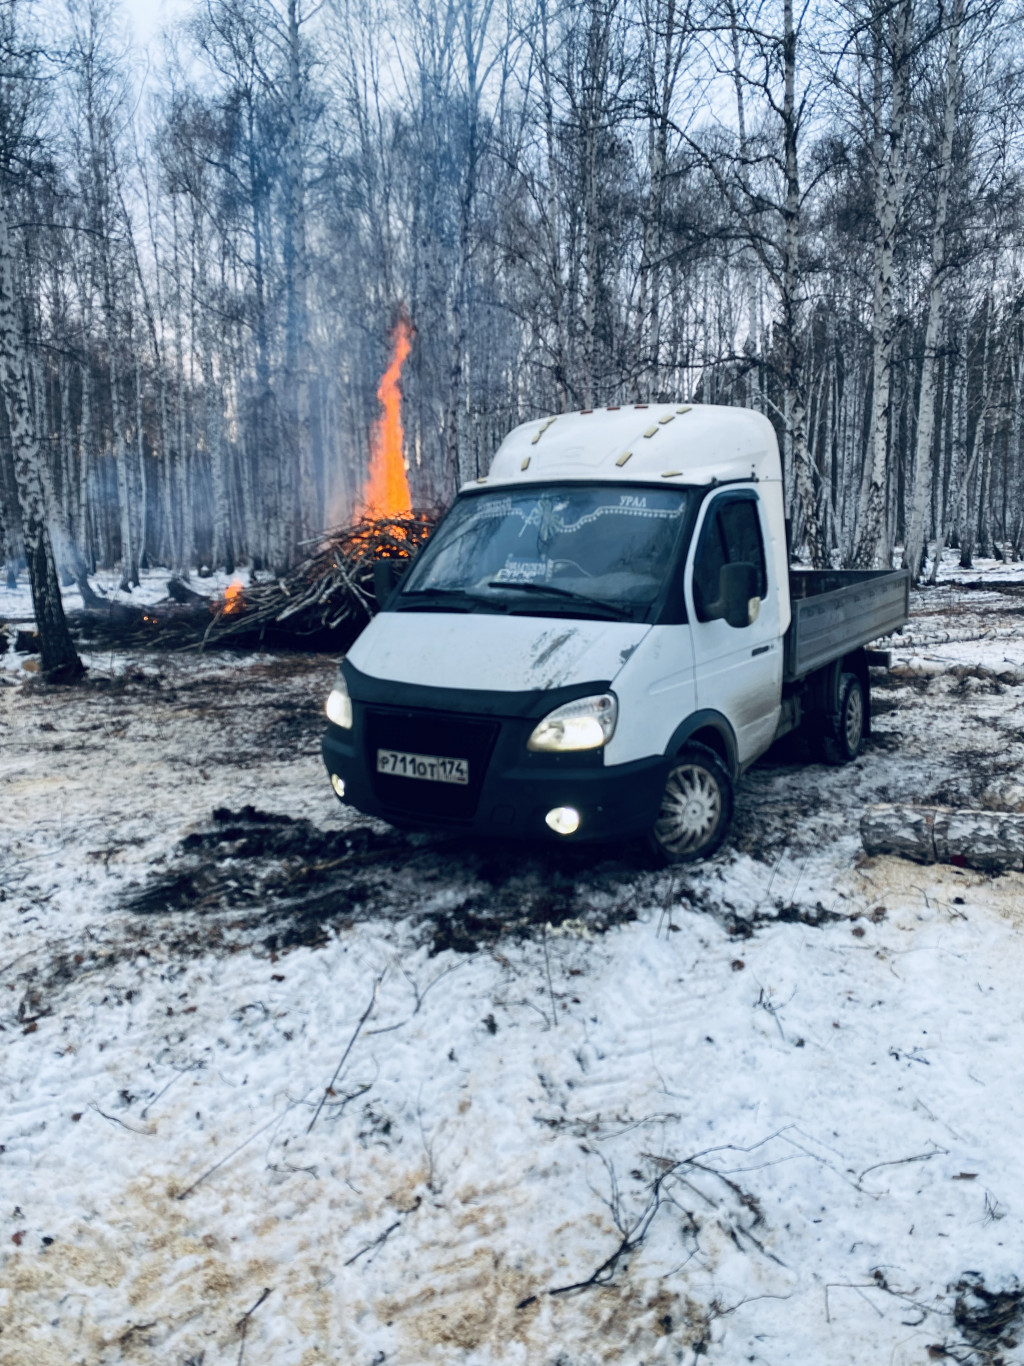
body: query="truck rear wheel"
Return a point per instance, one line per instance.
(696, 807)
(843, 730)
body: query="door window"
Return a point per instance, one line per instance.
(731, 534)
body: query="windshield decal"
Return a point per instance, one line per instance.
(523, 571)
(551, 521)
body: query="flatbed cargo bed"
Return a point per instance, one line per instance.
(835, 611)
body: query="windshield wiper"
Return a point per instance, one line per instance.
(426, 595)
(613, 610)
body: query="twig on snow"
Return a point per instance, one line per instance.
(329, 1089)
(667, 902)
(274, 1119)
(380, 1239)
(993, 1209)
(179, 1072)
(145, 1133)
(243, 1323)
(547, 969)
(420, 998)
(633, 1236)
(778, 865)
(879, 1281)
(765, 1002)
(901, 1161)
(631, 1240)
(851, 1285)
(13, 961)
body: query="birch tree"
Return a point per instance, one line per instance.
(923, 463)
(60, 661)
(890, 28)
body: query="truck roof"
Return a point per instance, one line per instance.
(680, 443)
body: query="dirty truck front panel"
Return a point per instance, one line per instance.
(500, 787)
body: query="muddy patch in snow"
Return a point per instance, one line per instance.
(274, 882)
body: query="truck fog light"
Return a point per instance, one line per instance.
(563, 820)
(338, 784)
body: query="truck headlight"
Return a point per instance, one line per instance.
(339, 705)
(587, 723)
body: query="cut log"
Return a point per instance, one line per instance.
(180, 592)
(992, 841)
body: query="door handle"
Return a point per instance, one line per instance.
(760, 650)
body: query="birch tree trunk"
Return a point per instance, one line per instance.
(552, 224)
(297, 323)
(913, 557)
(140, 457)
(213, 421)
(665, 45)
(60, 661)
(979, 438)
(591, 225)
(129, 550)
(890, 178)
(957, 368)
(474, 28)
(793, 378)
(748, 263)
(85, 454)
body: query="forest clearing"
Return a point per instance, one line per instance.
(282, 1083)
(663, 364)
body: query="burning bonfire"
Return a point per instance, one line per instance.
(329, 595)
(334, 587)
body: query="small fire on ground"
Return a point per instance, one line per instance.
(233, 600)
(386, 492)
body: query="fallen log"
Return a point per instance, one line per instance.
(179, 591)
(992, 841)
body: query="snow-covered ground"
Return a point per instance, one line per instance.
(16, 603)
(281, 1085)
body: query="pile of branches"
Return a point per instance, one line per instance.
(333, 589)
(323, 602)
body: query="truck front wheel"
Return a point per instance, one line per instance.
(843, 730)
(696, 807)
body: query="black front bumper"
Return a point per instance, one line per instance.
(511, 790)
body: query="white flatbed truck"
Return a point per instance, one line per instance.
(601, 636)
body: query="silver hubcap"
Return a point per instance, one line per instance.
(690, 809)
(854, 719)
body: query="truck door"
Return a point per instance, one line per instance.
(738, 670)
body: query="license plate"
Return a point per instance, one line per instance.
(431, 768)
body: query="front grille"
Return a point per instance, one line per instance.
(432, 733)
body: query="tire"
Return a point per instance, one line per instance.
(696, 807)
(843, 730)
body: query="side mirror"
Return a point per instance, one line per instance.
(738, 602)
(387, 574)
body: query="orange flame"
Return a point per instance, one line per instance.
(233, 600)
(386, 492)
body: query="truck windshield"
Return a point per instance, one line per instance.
(553, 549)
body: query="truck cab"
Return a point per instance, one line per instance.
(596, 642)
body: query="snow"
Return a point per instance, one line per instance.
(16, 603)
(785, 1086)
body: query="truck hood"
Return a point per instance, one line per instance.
(493, 653)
